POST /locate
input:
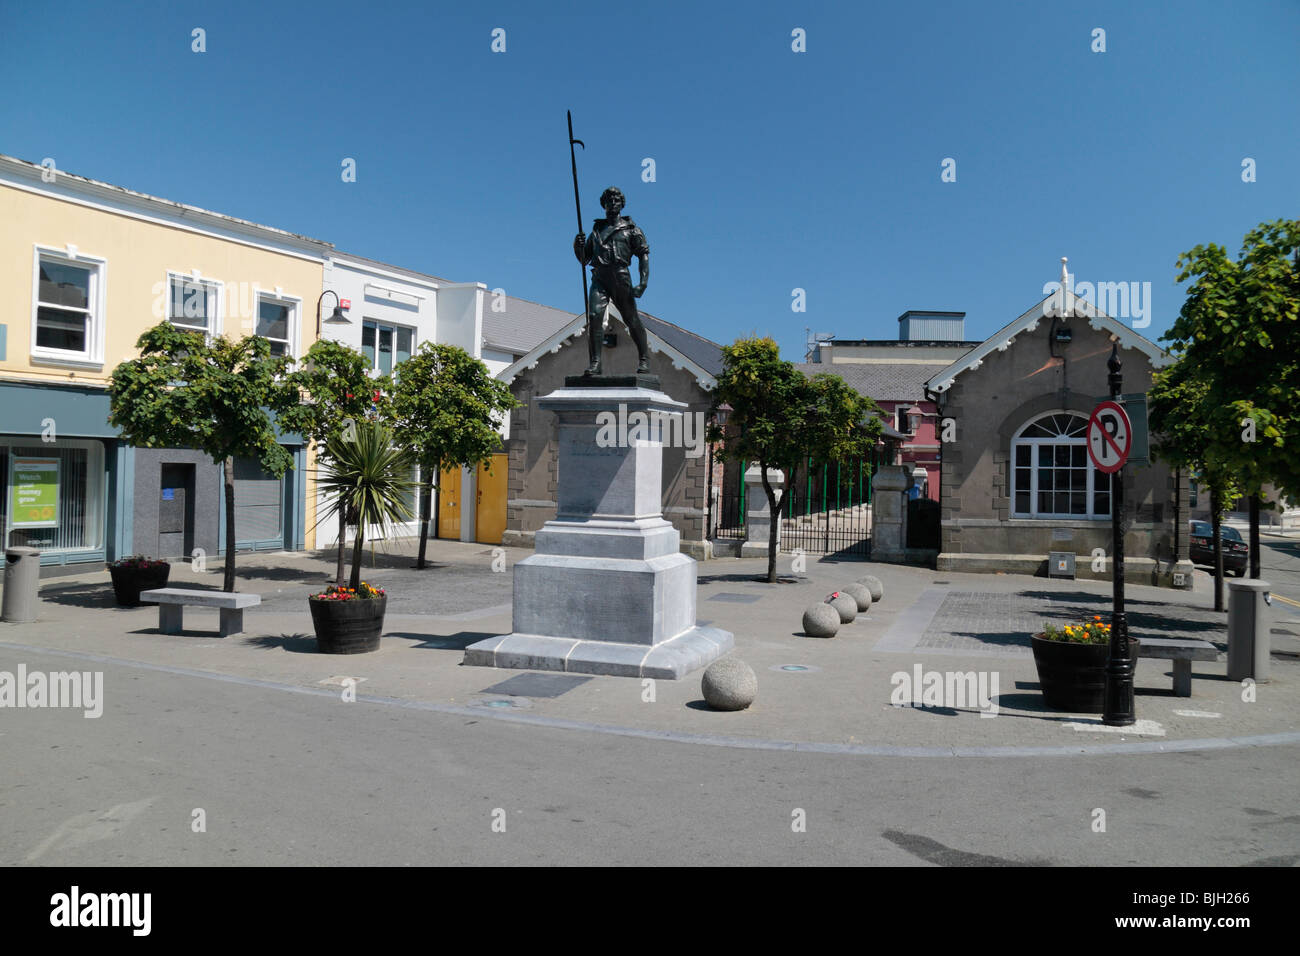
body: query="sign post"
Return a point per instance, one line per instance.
(1110, 439)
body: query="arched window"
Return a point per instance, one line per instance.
(1053, 477)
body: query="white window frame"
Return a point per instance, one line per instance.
(295, 313)
(215, 302)
(380, 324)
(93, 355)
(1033, 444)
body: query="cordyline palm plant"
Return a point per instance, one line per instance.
(367, 479)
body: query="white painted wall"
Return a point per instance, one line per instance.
(449, 313)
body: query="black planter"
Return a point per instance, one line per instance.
(348, 627)
(129, 582)
(1073, 676)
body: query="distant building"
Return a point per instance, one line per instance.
(893, 374)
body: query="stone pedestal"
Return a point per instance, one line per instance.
(607, 590)
(889, 513)
(758, 513)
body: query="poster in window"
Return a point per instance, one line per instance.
(34, 490)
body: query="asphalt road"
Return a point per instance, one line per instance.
(291, 777)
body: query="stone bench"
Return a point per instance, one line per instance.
(1182, 652)
(171, 604)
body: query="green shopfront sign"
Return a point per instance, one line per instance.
(34, 492)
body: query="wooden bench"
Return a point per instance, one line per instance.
(171, 604)
(1182, 652)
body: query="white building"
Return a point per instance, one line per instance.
(392, 311)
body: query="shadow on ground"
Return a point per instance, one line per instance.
(82, 595)
(445, 642)
(293, 643)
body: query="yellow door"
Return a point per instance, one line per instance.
(449, 504)
(490, 509)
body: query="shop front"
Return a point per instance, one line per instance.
(60, 471)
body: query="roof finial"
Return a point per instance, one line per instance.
(1065, 274)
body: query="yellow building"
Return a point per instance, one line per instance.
(85, 268)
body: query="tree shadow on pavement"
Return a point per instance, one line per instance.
(83, 595)
(293, 643)
(443, 642)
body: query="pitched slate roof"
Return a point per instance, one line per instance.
(685, 348)
(703, 352)
(885, 383)
(522, 326)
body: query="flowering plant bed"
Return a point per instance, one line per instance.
(134, 574)
(348, 620)
(1071, 664)
(363, 593)
(1088, 632)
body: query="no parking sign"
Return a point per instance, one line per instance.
(1110, 437)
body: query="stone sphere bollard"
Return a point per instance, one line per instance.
(729, 684)
(844, 604)
(860, 593)
(873, 584)
(821, 620)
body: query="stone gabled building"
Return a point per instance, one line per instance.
(1016, 482)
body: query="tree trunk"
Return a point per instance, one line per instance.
(358, 555)
(340, 570)
(774, 514)
(1218, 548)
(426, 505)
(1254, 536)
(228, 583)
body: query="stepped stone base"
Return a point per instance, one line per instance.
(668, 660)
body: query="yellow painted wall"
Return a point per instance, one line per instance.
(139, 255)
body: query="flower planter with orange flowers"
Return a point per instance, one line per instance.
(348, 620)
(1071, 664)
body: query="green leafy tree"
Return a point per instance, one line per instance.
(1239, 331)
(214, 397)
(1181, 414)
(332, 390)
(367, 476)
(781, 417)
(446, 406)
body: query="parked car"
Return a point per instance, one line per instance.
(1235, 551)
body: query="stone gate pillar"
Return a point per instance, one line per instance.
(889, 513)
(758, 513)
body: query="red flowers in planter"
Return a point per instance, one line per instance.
(363, 593)
(136, 561)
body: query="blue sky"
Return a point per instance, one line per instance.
(774, 170)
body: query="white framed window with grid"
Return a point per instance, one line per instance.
(277, 321)
(1052, 476)
(68, 307)
(194, 303)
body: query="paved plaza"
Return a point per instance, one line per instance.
(832, 694)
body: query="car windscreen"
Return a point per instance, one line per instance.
(1231, 534)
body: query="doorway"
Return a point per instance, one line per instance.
(176, 511)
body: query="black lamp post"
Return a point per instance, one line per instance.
(336, 317)
(1118, 709)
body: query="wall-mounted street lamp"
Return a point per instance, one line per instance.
(336, 317)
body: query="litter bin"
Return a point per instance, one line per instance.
(22, 581)
(1248, 645)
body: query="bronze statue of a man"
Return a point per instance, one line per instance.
(609, 249)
